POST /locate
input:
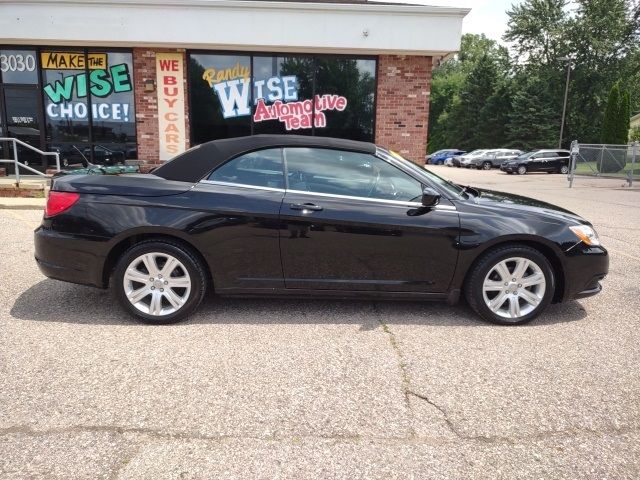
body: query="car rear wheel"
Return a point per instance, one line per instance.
(159, 281)
(522, 170)
(486, 166)
(510, 285)
(564, 169)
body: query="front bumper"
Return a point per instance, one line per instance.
(509, 168)
(69, 258)
(585, 267)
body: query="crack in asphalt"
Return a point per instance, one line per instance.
(406, 381)
(408, 392)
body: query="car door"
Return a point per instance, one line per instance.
(353, 221)
(552, 162)
(549, 162)
(537, 162)
(236, 221)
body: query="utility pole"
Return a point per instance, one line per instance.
(566, 95)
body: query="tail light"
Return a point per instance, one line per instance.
(58, 202)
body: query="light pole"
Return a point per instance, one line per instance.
(567, 59)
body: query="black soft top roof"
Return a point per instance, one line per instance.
(195, 163)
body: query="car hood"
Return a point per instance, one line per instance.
(502, 200)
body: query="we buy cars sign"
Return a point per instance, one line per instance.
(170, 91)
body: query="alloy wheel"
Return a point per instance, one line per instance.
(486, 165)
(564, 169)
(157, 284)
(514, 287)
(522, 170)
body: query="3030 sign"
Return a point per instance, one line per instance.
(17, 63)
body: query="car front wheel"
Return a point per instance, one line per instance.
(564, 169)
(522, 170)
(159, 281)
(510, 285)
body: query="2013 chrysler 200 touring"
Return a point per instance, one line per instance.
(310, 216)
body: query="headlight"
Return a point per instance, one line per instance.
(587, 234)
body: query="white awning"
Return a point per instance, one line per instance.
(235, 25)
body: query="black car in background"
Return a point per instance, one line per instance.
(311, 217)
(550, 161)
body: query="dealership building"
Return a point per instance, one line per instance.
(146, 79)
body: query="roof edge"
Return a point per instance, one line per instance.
(265, 5)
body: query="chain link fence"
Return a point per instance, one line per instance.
(605, 161)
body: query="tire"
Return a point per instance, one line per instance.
(531, 300)
(522, 170)
(179, 301)
(564, 169)
(487, 166)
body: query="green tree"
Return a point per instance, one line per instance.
(466, 120)
(495, 116)
(625, 116)
(603, 37)
(610, 124)
(615, 125)
(634, 136)
(538, 30)
(534, 120)
(450, 79)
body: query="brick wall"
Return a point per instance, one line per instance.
(144, 67)
(404, 87)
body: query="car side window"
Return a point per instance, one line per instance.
(262, 168)
(353, 174)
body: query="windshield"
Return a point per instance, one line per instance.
(441, 182)
(475, 153)
(524, 156)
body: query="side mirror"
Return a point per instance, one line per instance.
(430, 198)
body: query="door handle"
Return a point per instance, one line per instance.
(305, 206)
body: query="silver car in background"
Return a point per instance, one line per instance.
(491, 158)
(462, 160)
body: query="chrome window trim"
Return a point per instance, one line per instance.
(407, 203)
(241, 185)
(329, 195)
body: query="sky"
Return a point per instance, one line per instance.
(486, 16)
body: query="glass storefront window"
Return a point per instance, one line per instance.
(65, 100)
(220, 96)
(280, 80)
(89, 98)
(113, 109)
(18, 66)
(301, 94)
(354, 80)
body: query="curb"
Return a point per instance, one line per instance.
(21, 206)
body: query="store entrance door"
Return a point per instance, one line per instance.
(24, 122)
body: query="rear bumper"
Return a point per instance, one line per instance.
(506, 168)
(69, 258)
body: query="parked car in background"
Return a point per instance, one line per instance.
(550, 161)
(492, 158)
(459, 159)
(439, 157)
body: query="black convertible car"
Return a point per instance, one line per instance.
(311, 216)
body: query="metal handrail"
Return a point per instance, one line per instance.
(17, 164)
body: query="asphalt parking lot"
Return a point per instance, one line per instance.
(325, 389)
